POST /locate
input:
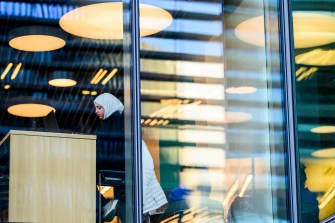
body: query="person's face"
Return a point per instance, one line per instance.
(99, 110)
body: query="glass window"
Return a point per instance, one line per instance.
(65, 105)
(313, 24)
(212, 112)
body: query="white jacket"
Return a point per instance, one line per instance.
(153, 194)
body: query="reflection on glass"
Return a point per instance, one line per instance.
(310, 29)
(314, 63)
(222, 101)
(105, 20)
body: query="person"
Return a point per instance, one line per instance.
(110, 110)
(110, 151)
(110, 132)
(153, 194)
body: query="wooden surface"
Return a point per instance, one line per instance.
(52, 177)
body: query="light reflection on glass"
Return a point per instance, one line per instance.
(183, 68)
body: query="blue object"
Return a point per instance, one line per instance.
(179, 193)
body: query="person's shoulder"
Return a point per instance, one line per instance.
(117, 114)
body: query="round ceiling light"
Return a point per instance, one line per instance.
(324, 153)
(30, 110)
(62, 82)
(237, 117)
(323, 129)
(241, 90)
(37, 43)
(36, 38)
(105, 20)
(313, 29)
(251, 31)
(310, 30)
(62, 79)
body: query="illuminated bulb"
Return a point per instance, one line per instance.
(173, 101)
(313, 29)
(147, 121)
(153, 122)
(94, 93)
(3, 75)
(110, 75)
(85, 92)
(323, 129)
(163, 111)
(96, 76)
(159, 92)
(237, 117)
(324, 153)
(37, 43)
(7, 86)
(62, 82)
(317, 57)
(251, 31)
(310, 30)
(198, 102)
(30, 110)
(241, 90)
(16, 71)
(300, 70)
(307, 73)
(100, 76)
(105, 20)
(165, 122)
(61, 79)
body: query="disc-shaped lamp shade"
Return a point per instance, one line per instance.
(313, 29)
(323, 129)
(62, 79)
(30, 110)
(237, 117)
(251, 31)
(105, 20)
(241, 90)
(37, 43)
(310, 30)
(36, 39)
(317, 57)
(324, 153)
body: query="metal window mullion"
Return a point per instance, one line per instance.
(287, 68)
(136, 110)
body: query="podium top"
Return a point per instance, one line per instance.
(49, 134)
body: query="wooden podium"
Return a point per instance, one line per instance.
(52, 177)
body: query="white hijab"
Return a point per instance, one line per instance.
(110, 103)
